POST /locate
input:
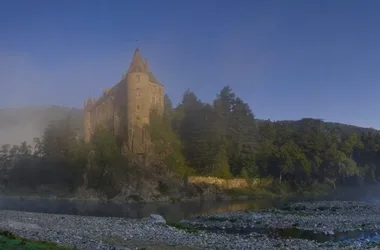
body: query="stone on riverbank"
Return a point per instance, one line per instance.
(156, 219)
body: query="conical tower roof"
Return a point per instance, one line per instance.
(137, 63)
(90, 102)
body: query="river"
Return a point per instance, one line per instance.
(170, 211)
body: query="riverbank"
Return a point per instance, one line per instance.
(303, 225)
(226, 195)
(337, 224)
(117, 233)
(197, 188)
(203, 192)
(9, 240)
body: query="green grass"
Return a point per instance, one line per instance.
(9, 241)
(187, 228)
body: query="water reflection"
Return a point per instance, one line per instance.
(172, 211)
(243, 205)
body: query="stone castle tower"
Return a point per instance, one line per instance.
(125, 108)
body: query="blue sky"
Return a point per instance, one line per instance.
(287, 59)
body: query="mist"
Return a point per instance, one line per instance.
(22, 132)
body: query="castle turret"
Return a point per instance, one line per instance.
(138, 102)
(89, 103)
(125, 108)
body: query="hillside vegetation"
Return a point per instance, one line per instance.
(222, 139)
(15, 121)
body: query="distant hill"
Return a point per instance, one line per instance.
(341, 127)
(23, 124)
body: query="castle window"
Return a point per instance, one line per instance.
(137, 78)
(138, 107)
(138, 93)
(153, 100)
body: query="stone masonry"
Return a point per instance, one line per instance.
(125, 108)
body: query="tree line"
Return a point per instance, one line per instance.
(222, 139)
(225, 139)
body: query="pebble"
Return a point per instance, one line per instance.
(105, 233)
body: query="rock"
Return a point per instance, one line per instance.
(156, 219)
(184, 221)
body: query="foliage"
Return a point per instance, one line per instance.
(222, 139)
(167, 146)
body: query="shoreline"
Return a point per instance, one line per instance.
(219, 194)
(225, 195)
(168, 200)
(328, 218)
(163, 201)
(90, 233)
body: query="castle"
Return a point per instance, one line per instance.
(124, 109)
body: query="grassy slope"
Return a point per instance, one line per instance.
(9, 241)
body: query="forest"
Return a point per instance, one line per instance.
(222, 139)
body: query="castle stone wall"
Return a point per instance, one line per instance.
(125, 108)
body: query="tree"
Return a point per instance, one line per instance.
(166, 144)
(237, 125)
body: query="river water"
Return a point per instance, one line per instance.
(170, 211)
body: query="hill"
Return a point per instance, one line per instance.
(341, 127)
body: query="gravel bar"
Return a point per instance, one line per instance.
(337, 224)
(85, 232)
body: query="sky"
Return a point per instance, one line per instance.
(286, 59)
